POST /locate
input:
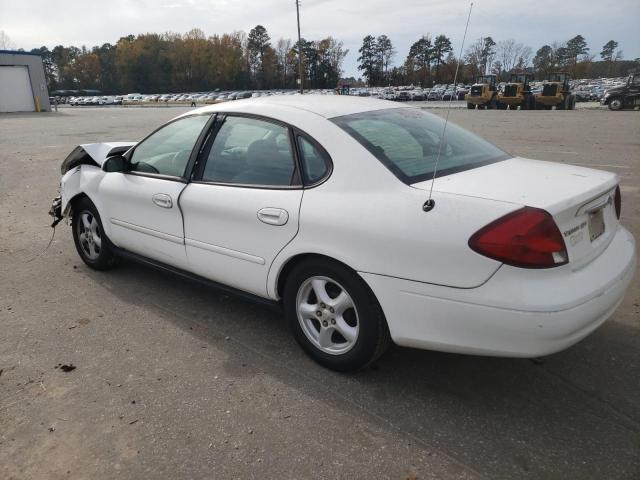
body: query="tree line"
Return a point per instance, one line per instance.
(191, 62)
(172, 62)
(430, 60)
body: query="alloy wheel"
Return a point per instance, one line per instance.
(616, 104)
(89, 235)
(327, 315)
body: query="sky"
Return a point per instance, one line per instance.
(34, 23)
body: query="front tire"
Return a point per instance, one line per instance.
(334, 315)
(92, 244)
(615, 104)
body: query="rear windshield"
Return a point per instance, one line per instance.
(406, 141)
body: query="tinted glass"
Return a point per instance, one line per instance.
(247, 151)
(407, 140)
(314, 161)
(167, 151)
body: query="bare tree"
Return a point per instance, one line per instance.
(5, 42)
(283, 47)
(473, 58)
(512, 54)
(524, 59)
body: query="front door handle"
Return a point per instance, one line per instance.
(273, 216)
(162, 200)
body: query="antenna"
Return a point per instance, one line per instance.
(430, 203)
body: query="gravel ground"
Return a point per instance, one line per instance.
(174, 380)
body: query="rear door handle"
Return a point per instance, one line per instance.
(273, 216)
(162, 200)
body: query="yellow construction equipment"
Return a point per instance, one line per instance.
(517, 93)
(555, 93)
(483, 93)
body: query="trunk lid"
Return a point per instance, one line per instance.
(581, 200)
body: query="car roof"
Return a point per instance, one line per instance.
(327, 106)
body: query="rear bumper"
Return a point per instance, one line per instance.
(517, 313)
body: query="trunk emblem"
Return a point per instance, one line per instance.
(573, 230)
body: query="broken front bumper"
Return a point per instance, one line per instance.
(56, 210)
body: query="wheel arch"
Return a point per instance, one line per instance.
(612, 97)
(288, 265)
(73, 201)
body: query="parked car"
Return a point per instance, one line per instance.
(435, 94)
(449, 94)
(624, 96)
(317, 205)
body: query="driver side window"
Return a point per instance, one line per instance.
(167, 151)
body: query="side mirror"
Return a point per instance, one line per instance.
(117, 163)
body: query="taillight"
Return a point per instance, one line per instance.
(527, 238)
(617, 201)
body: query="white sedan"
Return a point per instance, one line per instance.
(317, 205)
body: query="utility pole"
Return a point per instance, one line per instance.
(299, 47)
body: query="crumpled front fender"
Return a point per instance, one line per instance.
(93, 154)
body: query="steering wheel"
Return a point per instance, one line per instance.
(178, 162)
(146, 167)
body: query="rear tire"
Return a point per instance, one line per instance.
(471, 106)
(92, 244)
(564, 104)
(334, 316)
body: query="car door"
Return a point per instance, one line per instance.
(242, 206)
(141, 204)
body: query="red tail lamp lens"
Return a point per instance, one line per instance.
(527, 238)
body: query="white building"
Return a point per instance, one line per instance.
(23, 86)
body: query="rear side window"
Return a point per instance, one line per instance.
(315, 161)
(407, 140)
(248, 151)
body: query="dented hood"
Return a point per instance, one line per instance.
(93, 154)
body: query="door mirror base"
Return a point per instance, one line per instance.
(116, 163)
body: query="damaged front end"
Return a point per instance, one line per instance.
(56, 211)
(93, 154)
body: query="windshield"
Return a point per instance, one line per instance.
(406, 141)
(518, 79)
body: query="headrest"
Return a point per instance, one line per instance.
(262, 153)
